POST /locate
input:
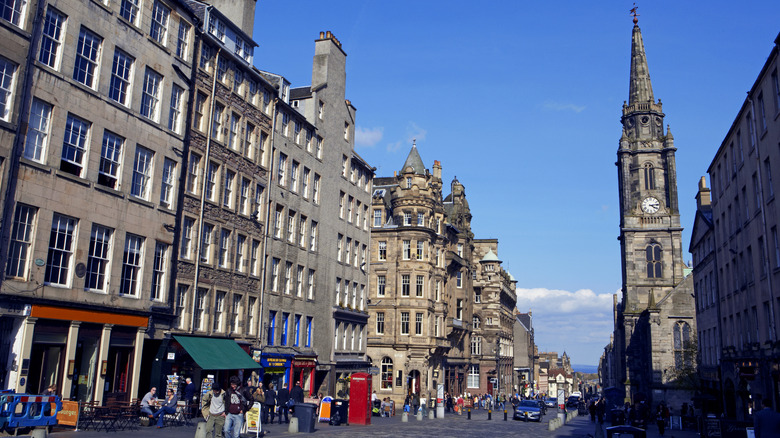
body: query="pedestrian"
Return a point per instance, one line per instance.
(415, 403)
(297, 393)
(189, 392)
(592, 410)
(661, 415)
(259, 394)
(149, 402)
(282, 402)
(270, 404)
(213, 410)
(424, 405)
(601, 410)
(449, 402)
(168, 407)
(237, 401)
(766, 422)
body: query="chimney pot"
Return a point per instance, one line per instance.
(322, 35)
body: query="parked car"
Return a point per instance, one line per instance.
(551, 402)
(528, 410)
(572, 401)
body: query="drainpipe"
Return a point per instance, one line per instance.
(203, 191)
(267, 218)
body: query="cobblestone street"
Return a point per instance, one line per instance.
(451, 426)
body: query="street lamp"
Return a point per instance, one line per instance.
(498, 359)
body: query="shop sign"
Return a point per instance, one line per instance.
(69, 415)
(305, 363)
(373, 370)
(275, 362)
(16, 309)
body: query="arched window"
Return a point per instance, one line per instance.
(649, 174)
(387, 373)
(654, 264)
(683, 350)
(475, 322)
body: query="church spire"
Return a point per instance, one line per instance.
(640, 88)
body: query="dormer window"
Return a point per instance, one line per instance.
(408, 182)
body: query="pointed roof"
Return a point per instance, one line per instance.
(640, 89)
(490, 257)
(414, 161)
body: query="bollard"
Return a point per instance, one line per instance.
(469, 417)
(504, 414)
(39, 433)
(404, 417)
(430, 414)
(293, 428)
(200, 431)
(490, 414)
(551, 425)
(419, 415)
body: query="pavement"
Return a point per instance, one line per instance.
(451, 426)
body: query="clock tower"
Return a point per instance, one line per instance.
(656, 309)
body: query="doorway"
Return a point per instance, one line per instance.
(45, 365)
(413, 385)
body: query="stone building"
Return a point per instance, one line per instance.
(524, 360)
(655, 320)
(420, 296)
(492, 345)
(738, 265)
(93, 127)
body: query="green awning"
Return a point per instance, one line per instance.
(216, 354)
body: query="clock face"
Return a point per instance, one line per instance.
(650, 205)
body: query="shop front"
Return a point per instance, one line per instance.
(89, 355)
(303, 371)
(343, 372)
(277, 369)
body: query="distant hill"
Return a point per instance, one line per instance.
(587, 369)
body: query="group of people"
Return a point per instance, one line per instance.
(155, 408)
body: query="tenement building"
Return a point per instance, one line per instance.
(422, 299)
(525, 352)
(655, 325)
(93, 120)
(738, 266)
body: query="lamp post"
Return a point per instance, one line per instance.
(498, 360)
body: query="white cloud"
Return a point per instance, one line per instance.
(558, 106)
(414, 132)
(394, 147)
(578, 322)
(368, 137)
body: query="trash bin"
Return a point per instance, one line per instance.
(340, 409)
(305, 413)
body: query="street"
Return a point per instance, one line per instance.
(452, 425)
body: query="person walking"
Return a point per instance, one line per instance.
(213, 410)
(148, 402)
(168, 407)
(297, 393)
(189, 393)
(415, 403)
(270, 404)
(661, 415)
(238, 400)
(282, 401)
(766, 422)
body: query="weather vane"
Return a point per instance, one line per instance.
(633, 12)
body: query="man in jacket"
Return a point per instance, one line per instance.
(766, 422)
(270, 404)
(237, 402)
(282, 397)
(213, 409)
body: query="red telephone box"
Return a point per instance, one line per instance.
(360, 399)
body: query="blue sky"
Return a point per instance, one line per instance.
(521, 101)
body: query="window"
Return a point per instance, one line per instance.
(310, 285)
(294, 176)
(271, 336)
(769, 184)
(216, 123)
(407, 246)
(420, 280)
(205, 243)
(200, 108)
(183, 40)
(232, 140)
(108, 172)
(405, 279)
(250, 317)
(87, 52)
(683, 351)
(339, 247)
(420, 249)
(159, 27)
(404, 323)
(291, 226)
(751, 131)
(142, 172)
(278, 221)
(459, 309)
(227, 192)
(211, 181)
(98, 259)
(13, 10)
(296, 330)
(287, 277)
(224, 248)
(181, 303)
(74, 145)
(654, 262)
(158, 271)
(248, 148)
(302, 232)
(459, 280)
(477, 296)
(61, 246)
(380, 323)
(473, 377)
(377, 218)
(476, 323)
(476, 345)
(407, 218)
(649, 175)
(275, 274)
(418, 324)
(51, 38)
(186, 238)
(200, 311)
(761, 112)
(254, 257)
(166, 188)
(346, 131)
(299, 281)
(341, 204)
(129, 10)
(38, 131)
(316, 189)
(174, 114)
(121, 71)
(285, 324)
(309, 330)
(243, 201)
(313, 236)
(21, 241)
(460, 250)
(131, 265)
(282, 180)
(386, 381)
(240, 253)
(219, 311)
(150, 99)
(235, 312)
(420, 219)
(380, 285)
(192, 173)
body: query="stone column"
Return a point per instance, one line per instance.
(70, 355)
(137, 354)
(27, 330)
(100, 379)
